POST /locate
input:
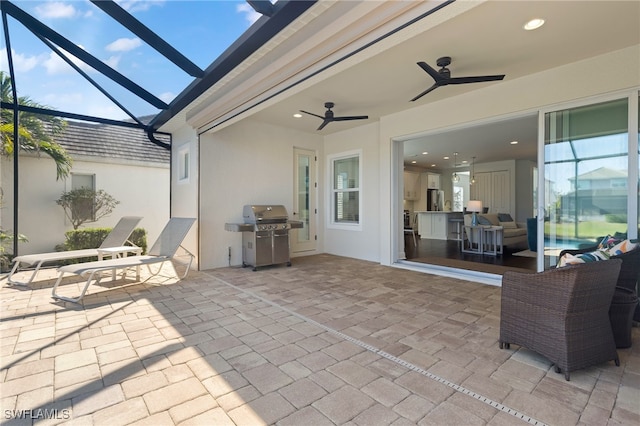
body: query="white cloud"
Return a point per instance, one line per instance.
(56, 65)
(124, 44)
(167, 96)
(250, 14)
(139, 5)
(55, 10)
(21, 62)
(113, 61)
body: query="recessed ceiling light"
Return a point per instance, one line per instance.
(446, 158)
(425, 153)
(514, 142)
(414, 162)
(464, 161)
(297, 115)
(533, 24)
(433, 165)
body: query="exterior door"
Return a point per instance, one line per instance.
(305, 189)
(586, 185)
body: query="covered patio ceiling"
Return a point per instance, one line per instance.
(382, 77)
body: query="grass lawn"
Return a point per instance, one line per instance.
(586, 230)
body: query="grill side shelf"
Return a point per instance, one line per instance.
(239, 227)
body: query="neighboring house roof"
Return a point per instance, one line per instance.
(602, 173)
(114, 142)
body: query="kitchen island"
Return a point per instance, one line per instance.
(439, 225)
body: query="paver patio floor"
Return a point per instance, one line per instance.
(329, 340)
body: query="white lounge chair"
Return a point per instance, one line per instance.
(112, 244)
(165, 247)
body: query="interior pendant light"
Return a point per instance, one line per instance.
(454, 177)
(473, 173)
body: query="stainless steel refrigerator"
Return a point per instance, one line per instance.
(435, 200)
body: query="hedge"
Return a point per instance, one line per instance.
(86, 238)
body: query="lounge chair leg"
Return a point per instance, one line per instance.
(19, 283)
(84, 290)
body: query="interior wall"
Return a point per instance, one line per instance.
(365, 243)
(247, 163)
(524, 190)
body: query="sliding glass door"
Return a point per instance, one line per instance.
(586, 178)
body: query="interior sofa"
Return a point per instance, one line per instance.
(514, 235)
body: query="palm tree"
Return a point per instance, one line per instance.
(36, 132)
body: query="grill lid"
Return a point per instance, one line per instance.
(264, 214)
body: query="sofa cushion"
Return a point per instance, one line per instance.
(513, 232)
(508, 224)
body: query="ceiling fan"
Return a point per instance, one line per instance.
(443, 76)
(329, 117)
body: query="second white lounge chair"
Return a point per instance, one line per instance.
(114, 242)
(165, 247)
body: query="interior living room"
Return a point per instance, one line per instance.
(493, 163)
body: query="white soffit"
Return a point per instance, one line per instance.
(316, 41)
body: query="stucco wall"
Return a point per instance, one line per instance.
(141, 190)
(251, 162)
(365, 243)
(247, 163)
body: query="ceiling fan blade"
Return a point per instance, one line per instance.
(353, 117)
(476, 79)
(435, 86)
(324, 123)
(315, 115)
(432, 72)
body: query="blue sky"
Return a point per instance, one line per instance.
(200, 29)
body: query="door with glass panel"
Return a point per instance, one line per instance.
(304, 201)
(586, 158)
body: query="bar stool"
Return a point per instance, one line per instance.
(458, 232)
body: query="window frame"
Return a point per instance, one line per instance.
(184, 165)
(332, 223)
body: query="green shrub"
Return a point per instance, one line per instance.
(616, 218)
(80, 239)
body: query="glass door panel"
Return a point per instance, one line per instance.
(304, 201)
(585, 176)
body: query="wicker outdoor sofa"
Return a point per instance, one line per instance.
(561, 314)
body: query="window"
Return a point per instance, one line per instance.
(183, 165)
(83, 181)
(345, 190)
(84, 206)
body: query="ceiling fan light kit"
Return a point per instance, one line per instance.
(330, 117)
(442, 77)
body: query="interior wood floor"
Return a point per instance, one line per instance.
(441, 252)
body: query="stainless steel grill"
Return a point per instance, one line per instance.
(265, 235)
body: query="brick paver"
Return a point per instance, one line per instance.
(329, 340)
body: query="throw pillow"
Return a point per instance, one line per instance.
(505, 217)
(508, 225)
(483, 221)
(593, 256)
(622, 247)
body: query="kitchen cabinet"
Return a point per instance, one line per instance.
(411, 186)
(433, 181)
(433, 225)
